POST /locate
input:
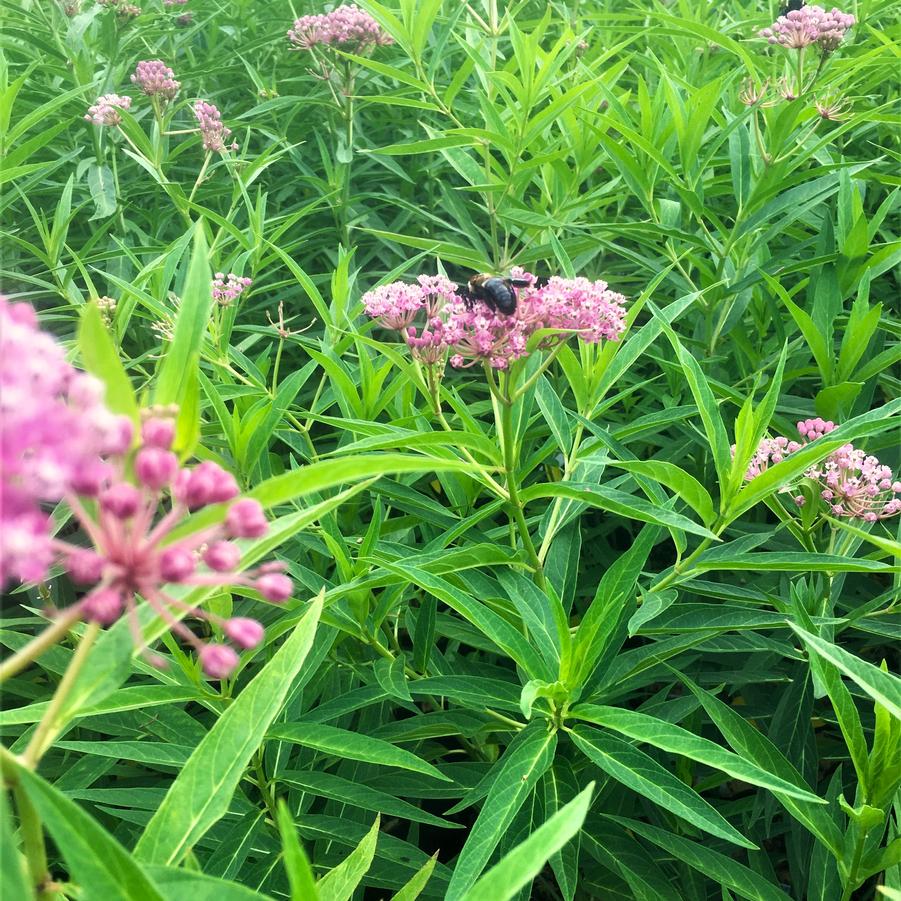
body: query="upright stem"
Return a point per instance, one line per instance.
(48, 726)
(32, 840)
(347, 111)
(504, 407)
(40, 643)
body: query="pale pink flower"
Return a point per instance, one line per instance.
(346, 28)
(155, 79)
(226, 289)
(105, 110)
(809, 25)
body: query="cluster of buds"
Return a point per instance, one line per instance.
(809, 25)
(854, 484)
(122, 8)
(226, 289)
(155, 79)
(130, 497)
(212, 129)
(106, 109)
(346, 28)
(470, 332)
(107, 307)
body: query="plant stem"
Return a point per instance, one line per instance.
(504, 414)
(32, 840)
(40, 643)
(200, 174)
(48, 726)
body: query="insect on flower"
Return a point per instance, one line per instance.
(496, 292)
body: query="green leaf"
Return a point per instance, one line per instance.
(743, 881)
(94, 858)
(13, 868)
(881, 686)
(201, 794)
(413, 889)
(353, 746)
(177, 883)
(615, 501)
(514, 778)
(641, 773)
(521, 865)
(686, 486)
(183, 353)
(297, 864)
(342, 881)
(100, 357)
(668, 737)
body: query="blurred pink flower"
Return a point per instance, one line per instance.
(58, 441)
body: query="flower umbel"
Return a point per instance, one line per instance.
(155, 79)
(59, 441)
(473, 333)
(854, 484)
(212, 128)
(227, 289)
(105, 110)
(809, 25)
(346, 28)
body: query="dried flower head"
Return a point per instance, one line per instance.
(752, 94)
(809, 25)
(155, 79)
(346, 28)
(105, 110)
(831, 108)
(212, 129)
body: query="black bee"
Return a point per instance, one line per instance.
(791, 6)
(496, 292)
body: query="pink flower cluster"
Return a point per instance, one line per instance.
(54, 431)
(155, 79)
(212, 128)
(473, 333)
(174, 2)
(59, 441)
(105, 110)
(347, 28)
(853, 484)
(800, 28)
(227, 289)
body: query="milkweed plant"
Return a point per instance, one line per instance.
(449, 451)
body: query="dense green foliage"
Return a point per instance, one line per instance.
(553, 581)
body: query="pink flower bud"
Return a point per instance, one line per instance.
(122, 500)
(222, 556)
(155, 467)
(176, 564)
(246, 519)
(122, 434)
(244, 632)
(103, 606)
(84, 566)
(157, 432)
(207, 483)
(275, 587)
(89, 478)
(218, 660)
